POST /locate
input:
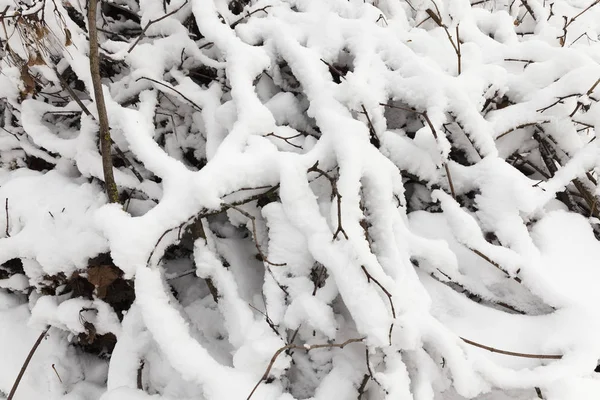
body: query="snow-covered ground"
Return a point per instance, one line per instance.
(324, 199)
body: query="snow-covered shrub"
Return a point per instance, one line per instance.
(328, 199)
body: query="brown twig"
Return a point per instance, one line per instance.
(448, 175)
(387, 293)
(457, 49)
(585, 10)
(529, 9)
(7, 221)
(525, 125)
(87, 112)
(435, 135)
(196, 106)
(267, 319)
(538, 391)
(265, 376)
(161, 238)
(437, 18)
(263, 9)
(140, 383)
(563, 39)
(56, 372)
(334, 193)
(363, 385)
(26, 363)
(512, 353)
(389, 296)
(489, 260)
(589, 92)
(373, 134)
(105, 140)
(286, 139)
(254, 232)
(153, 21)
(560, 100)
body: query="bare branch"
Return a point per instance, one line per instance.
(7, 221)
(105, 141)
(196, 106)
(151, 22)
(512, 353)
(296, 347)
(336, 194)
(263, 9)
(26, 363)
(253, 221)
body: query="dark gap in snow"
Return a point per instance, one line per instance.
(192, 27)
(118, 12)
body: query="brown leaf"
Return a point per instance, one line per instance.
(37, 60)
(68, 41)
(28, 81)
(103, 275)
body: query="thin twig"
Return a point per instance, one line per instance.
(254, 232)
(522, 126)
(161, 238)
(140, 384)
(585, 10)
(529, 9)
(489, 260)
(435, 135)
(387, 293)
(264, 9)
(286, 139)
(374, 139)
(335, 193)
(56, 372)
(455, 45)
(297, 347)
(6, 209)
(74, 96)
(458, 53)
(389, 296)
(105, 140)
(512, 353)
(448, 175)
(153, 21)
(560, 100)
(588, 93)
(196, 106)
(26, 363)
(538, 391)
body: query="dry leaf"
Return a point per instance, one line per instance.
(28, 81)
(102, 275)
(68, 41)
